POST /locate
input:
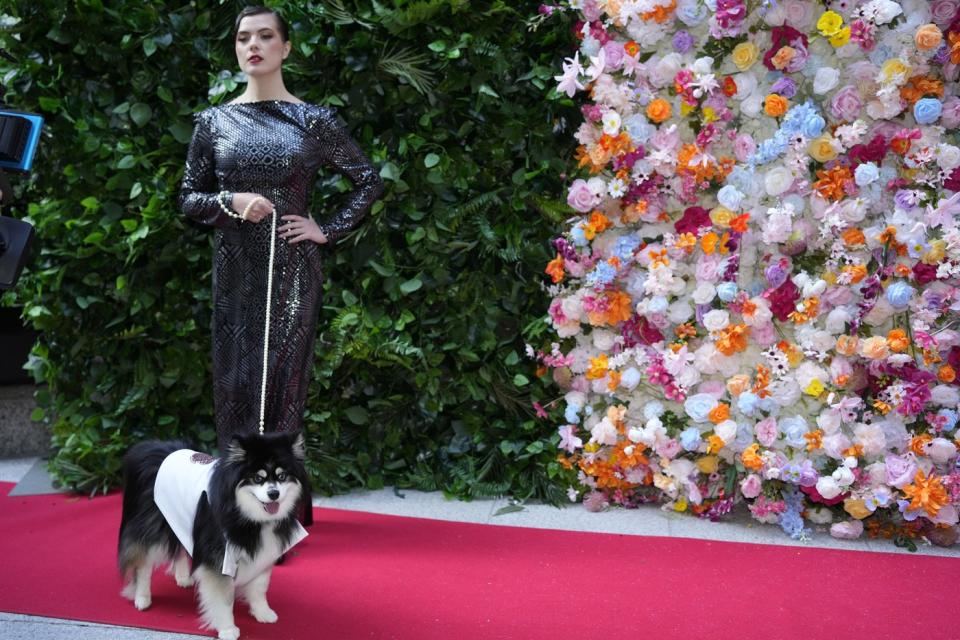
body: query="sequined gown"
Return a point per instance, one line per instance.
(273, 148)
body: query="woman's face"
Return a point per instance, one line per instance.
(260, 48)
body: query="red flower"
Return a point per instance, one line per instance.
(783, 300)
(693, 218)
(924, 273)
(782, 37)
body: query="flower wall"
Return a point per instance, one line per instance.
(757, 299)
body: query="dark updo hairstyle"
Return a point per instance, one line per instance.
(255, 10)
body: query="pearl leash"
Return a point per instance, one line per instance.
(221, 197)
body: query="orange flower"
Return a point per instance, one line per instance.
(833, 182)
(919, 442)
(613, 380)
(685, 330)
(928, 37)
(598, 223)
(739, 224)
(659, 110)
(928, 494)
(898, 341)
(953, 37)
(729, 86)
(598, 367)
(751, 458)
(853, 237)
(814, 439)
(853, 452)
(856, 272)
(632, 48)
(719, 413)
(775, 105)
(783, 57)
(810, 308)
(946, 374)
(617, 307)
(738, 384)
(733, 339)
(715, 443)
(762, 381)
(555, 269)
(660, 13)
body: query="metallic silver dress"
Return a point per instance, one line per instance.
(273, 148)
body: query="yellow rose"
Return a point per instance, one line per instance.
(721, 217)
(707, 464)
(936, 253)
(841, 38)
(830, 23)
(856, 508)
(894, 67)
(821, 149)
(745, 55)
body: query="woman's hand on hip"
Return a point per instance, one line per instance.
(298, 228)
(255, 205)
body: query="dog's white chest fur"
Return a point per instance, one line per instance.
(183, 476)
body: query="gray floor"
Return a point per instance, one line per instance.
(32, 478)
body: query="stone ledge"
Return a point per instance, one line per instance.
(20, 436)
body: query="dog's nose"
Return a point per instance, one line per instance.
(273, 494)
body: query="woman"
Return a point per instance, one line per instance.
(259, 152)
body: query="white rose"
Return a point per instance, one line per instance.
(777, 181)
(597, 186)
(808, 372)
(630, 378)
(871, 437)
(716, 320)
(663, 71)
(945, 395)
(941, 450)
(829, 421)
(603, 340)
(828, 487)
(948, 156)
(726, 431)
(775, 16)
(798, 13)
(884, 10)
(635, 434)
(826, 79)
(679, 312)
(837, 320)
(843, 476)
(611, 123)
(752, 105)
(704, 293)
(834, 445)
(746, 84)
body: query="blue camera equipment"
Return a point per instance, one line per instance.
(19, 135)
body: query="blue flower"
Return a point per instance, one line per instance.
(692, 13)
(899, 294)
(927, 110)
(727, 291)
(866, 173)
(747, 403)
(572, 414)
(653, 409)
(578, 236)
(793, 430)
(730, 197)
(625, 247)
(813, 125)
(951, 417)
(690, 439)
(603, 274)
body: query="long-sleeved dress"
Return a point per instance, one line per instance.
(273, 148)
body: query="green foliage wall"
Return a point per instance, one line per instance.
(420, 377)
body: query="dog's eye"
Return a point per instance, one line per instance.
(260, 478)
(281, 476)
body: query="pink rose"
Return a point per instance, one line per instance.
(836, 296)
(798, 13)
(900, 471)
(767, 431)
(750, 486)
(850, 530)
(846, 104)
(950, 118)
(669, 449)
(744, 146)
(706, 269)
(943, 11)
(614, 55)
(580, 197)
(764, 335)
(715, 388)
(591, 12)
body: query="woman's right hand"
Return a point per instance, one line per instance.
(257, 211)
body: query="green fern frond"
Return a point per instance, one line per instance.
(337, 13)
(409, 65)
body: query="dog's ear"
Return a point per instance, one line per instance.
(299, 447)
(236, 451)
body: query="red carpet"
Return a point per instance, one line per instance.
(360, 575)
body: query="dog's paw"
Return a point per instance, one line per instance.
(142, 602)
(264, 614)
(228, 633)
(186, 581)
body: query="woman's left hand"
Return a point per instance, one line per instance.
(298, 228)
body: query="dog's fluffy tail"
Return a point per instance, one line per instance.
(140, 467)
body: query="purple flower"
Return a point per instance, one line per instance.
(682, 42)
(785, 86)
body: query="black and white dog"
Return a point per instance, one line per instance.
(235, 516)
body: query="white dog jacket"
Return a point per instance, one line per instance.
(183, 476)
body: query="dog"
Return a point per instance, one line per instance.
(234, 517)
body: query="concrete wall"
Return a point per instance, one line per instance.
(20, 436)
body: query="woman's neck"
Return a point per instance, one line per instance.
(266, 88)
